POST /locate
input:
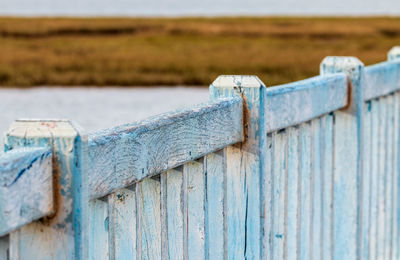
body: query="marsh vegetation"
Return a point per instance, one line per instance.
(181, 51)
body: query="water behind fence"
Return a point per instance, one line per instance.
(307, 170)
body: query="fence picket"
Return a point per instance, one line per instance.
(175, 214)
(215, 205)
(98, 230)
(122, 224)
(148, 194)
(195, 198)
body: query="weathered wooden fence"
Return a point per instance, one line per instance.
(307, 170)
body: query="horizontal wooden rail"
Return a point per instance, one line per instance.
(294, 103)
(26, 187)
(121, 156)
(381, 79)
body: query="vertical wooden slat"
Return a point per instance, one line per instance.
(381, 180)
(373, 233)
(388, 175)
(279, 174)
(98, 230)
(245, 167)
(395, 187)
(194, 172)
(327, 191)
(215, 193)
(148, 194)
(267, 212)
(365, 233)
(164, 215)
(122, 224)
(174, 179)
(345, 188)
(292, 235)
(316, 190)
(236, 203)
(305, 188)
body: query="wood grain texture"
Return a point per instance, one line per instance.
(327, 125)
(98, 230)
(305, 173)
(293, 190)
(123, 155)
(388, 175)
(299, 161)
(195, 199)
(316, 190)
(26, 187)
(175, 214)
(298, 102)
(122, 224)
(396, 176)
(64, 235)
(215, 205)
(245, 164)
(348, 161)
(381, 79)
(148, 193)
(367, 184)
(375, 154)
(279, 193)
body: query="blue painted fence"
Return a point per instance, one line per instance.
(307, 170)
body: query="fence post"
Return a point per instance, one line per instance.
(62, 236)
(394, 53)
(244, 169)
(348, 155)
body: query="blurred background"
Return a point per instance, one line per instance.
(103, 62)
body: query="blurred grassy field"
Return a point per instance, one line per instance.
(182, 51)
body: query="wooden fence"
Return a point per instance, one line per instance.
(307, 170)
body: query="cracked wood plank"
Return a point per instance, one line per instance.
(26, 187)
(348, 155)
(127, 154)
(245, 164)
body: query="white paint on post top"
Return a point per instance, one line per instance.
(232, 81)
(63, 236)
(394, 53)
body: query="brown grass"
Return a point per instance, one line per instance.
(184, 51)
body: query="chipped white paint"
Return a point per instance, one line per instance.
(123, 155)
(245, 169)
(63, 235)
